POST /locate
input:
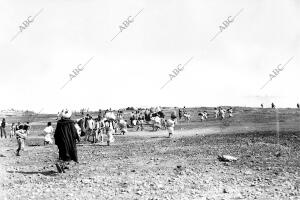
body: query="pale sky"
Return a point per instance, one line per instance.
(131, 69)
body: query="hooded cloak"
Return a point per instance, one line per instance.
(65, 138)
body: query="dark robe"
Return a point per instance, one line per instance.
(65, 138)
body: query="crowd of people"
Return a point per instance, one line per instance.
(13, 128)
(68, 132)
(20, 131)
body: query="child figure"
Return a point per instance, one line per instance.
(48, 132)
(12, 130)
(21, 136)
(171, 125)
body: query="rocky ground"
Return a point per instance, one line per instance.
(147, 165)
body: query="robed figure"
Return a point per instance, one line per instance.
(65, 138)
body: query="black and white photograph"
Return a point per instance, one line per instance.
(150, 100)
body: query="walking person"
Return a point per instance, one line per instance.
(12, 130)
(48, 131)
(65, 138)
(21, 136)
(171, 125)
(2, 128)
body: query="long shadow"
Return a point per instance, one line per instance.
(45, 173)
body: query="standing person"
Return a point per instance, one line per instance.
(180, 114)
(65, 138)
(48, 133)
(12, 130)
(109, 126)
(171, 125)
(216, 113)
(147, 115)
(262, 105)
(2, 128)
(21, 136)
(298, 105)
(222, 113)
(161, 115)
(140, 122)
(97, 130)
(132, 118)
(90, 126)
(273, 105)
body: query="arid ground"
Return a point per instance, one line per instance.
(148, 165)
